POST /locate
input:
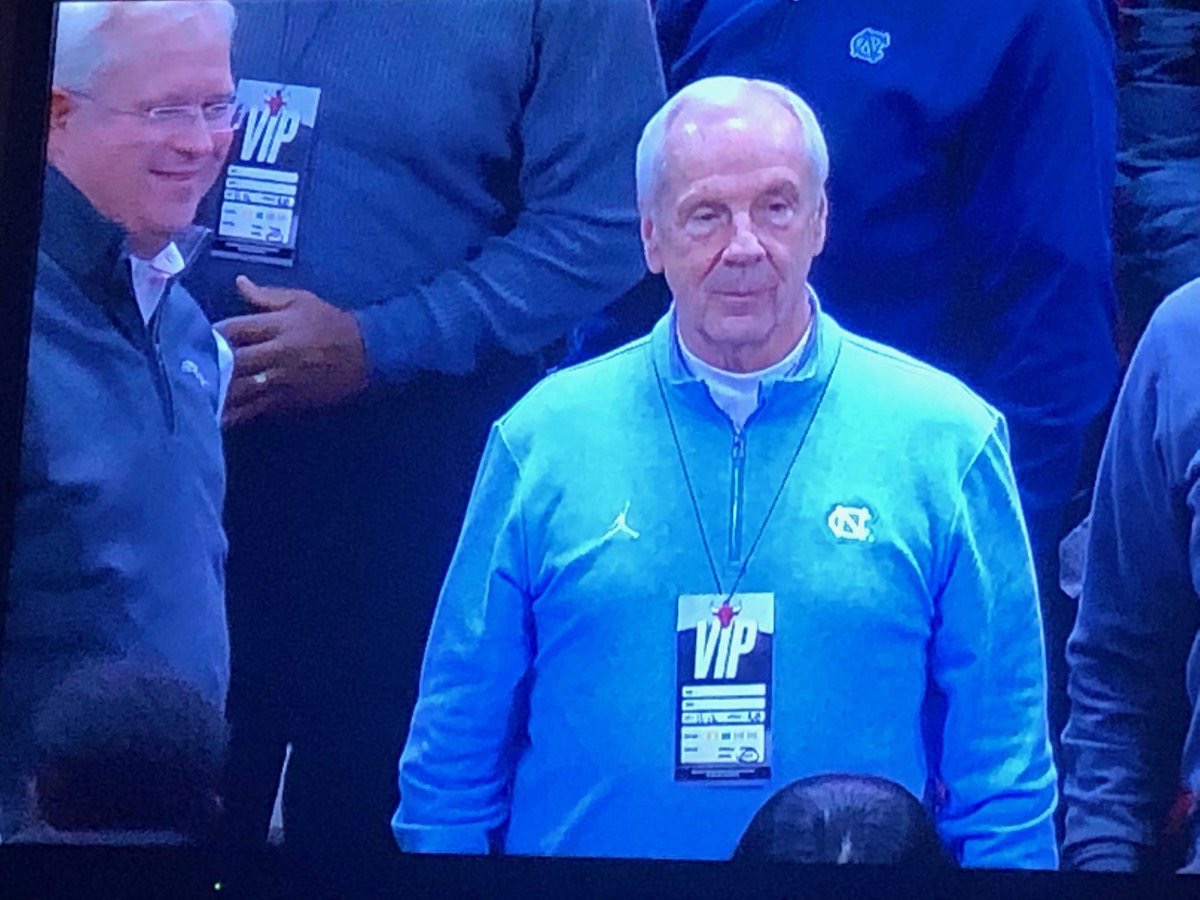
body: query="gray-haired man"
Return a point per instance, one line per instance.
(683, 567)
(119, 550)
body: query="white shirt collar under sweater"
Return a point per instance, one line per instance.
(737, 393)
(150, 276)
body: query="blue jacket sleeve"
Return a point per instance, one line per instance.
(595, 82)
(1138, 610)
(988, 664)
(467, 727)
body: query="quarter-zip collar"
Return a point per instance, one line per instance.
(91, 249)
(812, 371)
(794, 399)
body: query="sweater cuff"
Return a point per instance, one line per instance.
(451, 839)
(393, 335)
(1102, 856)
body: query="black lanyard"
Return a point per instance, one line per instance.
(687, 478)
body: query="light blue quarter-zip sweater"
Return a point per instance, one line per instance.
(547, 701)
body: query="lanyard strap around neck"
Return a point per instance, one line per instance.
(687, 479)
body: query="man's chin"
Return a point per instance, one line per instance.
(739, 331)
(754, 343)
(152, 235)
(173, 221)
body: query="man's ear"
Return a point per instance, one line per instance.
(62, 104)
(650, 246)
(820, 219)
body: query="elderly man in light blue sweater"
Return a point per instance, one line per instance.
(747, 548)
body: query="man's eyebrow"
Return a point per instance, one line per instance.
(690, 204)
(781, 186)
(166, 100)
(177, 99)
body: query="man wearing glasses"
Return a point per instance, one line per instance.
(119, 551)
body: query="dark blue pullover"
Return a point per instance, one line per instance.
(118, 545)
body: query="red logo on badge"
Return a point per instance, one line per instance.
(726, 613)
(276, 103)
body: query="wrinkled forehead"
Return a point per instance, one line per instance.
(706, 140)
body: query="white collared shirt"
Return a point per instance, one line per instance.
(737, 393)
(150, 277)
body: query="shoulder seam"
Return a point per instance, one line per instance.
(913, 364)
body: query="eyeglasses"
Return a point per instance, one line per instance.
(218, 116)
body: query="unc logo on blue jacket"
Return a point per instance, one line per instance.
(869, 45)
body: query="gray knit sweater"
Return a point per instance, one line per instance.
(472, 177)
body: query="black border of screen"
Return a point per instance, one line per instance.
(25, 54)
(25, 38)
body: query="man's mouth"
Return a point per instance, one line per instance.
(176, 176)
(742, 293)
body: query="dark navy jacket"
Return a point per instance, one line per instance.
(971, 151)
(118, 548)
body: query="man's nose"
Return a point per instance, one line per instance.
(744, 246)
(193, 137)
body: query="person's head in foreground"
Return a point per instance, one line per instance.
(844, 819)
(142, 109)
(125, 754)
(731, 191)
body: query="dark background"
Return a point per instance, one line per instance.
(24, 65)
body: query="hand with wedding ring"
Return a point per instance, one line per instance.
(295, 353)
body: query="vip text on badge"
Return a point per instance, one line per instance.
(268, 128)
(722, 641)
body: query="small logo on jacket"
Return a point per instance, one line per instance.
(849, 523)
(620, 526)
(726, 612)
(869, 45)
(188, 367)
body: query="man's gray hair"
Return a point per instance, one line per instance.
(725, 91)
(80, 50)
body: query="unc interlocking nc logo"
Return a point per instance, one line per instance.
(869, 44)
(849, 523)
